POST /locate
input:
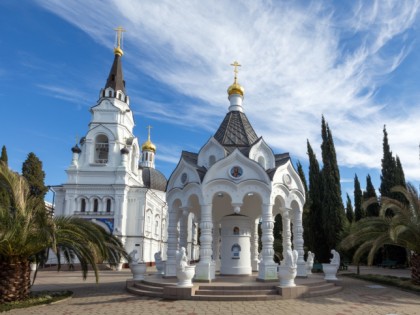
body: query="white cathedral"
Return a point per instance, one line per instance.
(212, 203)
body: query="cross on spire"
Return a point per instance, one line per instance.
(119, 31)
(148, 135)
(235, 65)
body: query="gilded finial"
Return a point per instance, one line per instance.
(235, 88)
(148, 132)
(148, 145)
(235, 65)
(118, 49)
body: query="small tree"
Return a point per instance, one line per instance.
(370, 194)
(3, 156)
(35, 176)
(358, 210)
(349, 210)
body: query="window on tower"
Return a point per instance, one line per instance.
(95, 205)
(101, 149)
(108, 205)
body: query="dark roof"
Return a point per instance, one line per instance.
(116, 79)
(192, 159)
(153, 179)
(236, 132)
(280, 159)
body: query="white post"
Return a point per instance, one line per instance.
(254, 246)
(298, 243)
(206, 268)
(183, 228)
(286, 234)
(170, 265)
(267, 267)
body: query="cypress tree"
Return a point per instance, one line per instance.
(349, 210)
(388, 168)
(332, 204)
(3, 156)
(358, 195)
(316, 238)
(32, 171)
(392, 174)
(302, 176)
(373, 209)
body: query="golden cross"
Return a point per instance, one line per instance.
(149, 127)
(119, 31)
(235, 64)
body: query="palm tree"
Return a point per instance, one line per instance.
(402, 229)
(26, 229)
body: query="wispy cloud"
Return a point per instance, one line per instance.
(299, 62)
(66, 94)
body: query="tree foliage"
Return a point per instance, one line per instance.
(332, 204)
(358, 195)
(27, 229)
(3, 156)
(349, 210)
(370, 194)
(402, 229)
(35, 176)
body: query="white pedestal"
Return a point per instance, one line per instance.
(205, 271)
(267, 271)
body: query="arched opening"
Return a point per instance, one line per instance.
(108, 205)
(95, 205)
(83, 205)
(101, 149)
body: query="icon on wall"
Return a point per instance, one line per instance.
(236, 172)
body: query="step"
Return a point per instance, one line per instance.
(144, 292)
(156, 284)
(237, 287)
(321, 286)
(236, 297)
(253, 292)
(145, 287)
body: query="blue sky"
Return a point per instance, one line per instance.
(355, 62)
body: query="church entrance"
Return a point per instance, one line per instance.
(235, 246)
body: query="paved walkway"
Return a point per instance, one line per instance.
(110, 297)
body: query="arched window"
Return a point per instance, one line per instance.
(235, 230)
(108, 205)
(82, 205)
(101, 149)
(212, 160)
(95, 205)
(156, 227)
(261, 161)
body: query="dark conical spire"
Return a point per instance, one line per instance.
(115, 78)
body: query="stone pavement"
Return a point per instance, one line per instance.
(110, 297)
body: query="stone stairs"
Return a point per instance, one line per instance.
(218, 292)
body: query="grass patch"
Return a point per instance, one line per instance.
(36, 298)
(399, 282)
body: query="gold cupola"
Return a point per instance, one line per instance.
(148, 145)
(235, 88)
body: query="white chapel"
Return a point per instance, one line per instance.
(233, 184)
(112, 180)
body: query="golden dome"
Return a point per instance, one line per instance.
(235, 88)
(148, 145)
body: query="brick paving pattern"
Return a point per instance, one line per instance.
(109, 297)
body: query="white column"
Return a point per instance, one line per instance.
(205, 269)
(170, 264)
(286, 233)
(254, 246)
(298, 242)
(267, 267)
(183, 228)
